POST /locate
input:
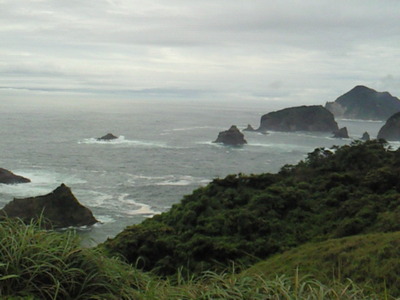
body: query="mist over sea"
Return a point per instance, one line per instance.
(164, 152)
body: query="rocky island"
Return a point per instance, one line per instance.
(107, 137)
(9, 177)
(391, 130)
(231, 137)
(342, 133)
(365, 104)
(365, 136)
(300, 118)
(60, 208)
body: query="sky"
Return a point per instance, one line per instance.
(94, 51)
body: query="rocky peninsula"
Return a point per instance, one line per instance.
(8, 177)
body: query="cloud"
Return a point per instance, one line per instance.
(265, 49)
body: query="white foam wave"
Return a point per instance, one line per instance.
(122, 141)
(137, 209)
(42, 182)
(361, 121)
(280, 147)
(220, 145)
(93, 198)
(171, 180)
(103, 219)
(191, 128)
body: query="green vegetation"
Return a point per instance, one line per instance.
(333, 193)
(36, 264)
(371, 260)
(334, 216)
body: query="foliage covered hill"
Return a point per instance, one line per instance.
(340, 192)
(37, 264)
(370, 260)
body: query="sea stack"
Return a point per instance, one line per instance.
(341, 133)
(301, 118)
(249, 128)
(59, 207)
(391, 130)
(107, 137)
(8, 177)
(231, 137)
(365, 136)
(365, 104)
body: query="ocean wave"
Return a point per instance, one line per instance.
(42, 183)
(122, 141)
(165, 180)
(93, 198)
(220, 145)
(284, 147)
(361, 121)
(189, 128)
(137, 209)
(181, 180)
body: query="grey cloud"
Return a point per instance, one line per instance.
(223, 46)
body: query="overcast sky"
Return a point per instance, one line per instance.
(287, 50)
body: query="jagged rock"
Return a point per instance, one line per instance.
(107, 137)
(391, 130)
(365, 136)
(249, 128)
(364, 103)
(341, 133)
(232, 137)
(9, 177)
(60, 208)
(301, 118)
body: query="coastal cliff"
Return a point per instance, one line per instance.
(301, 118)
(365, 104)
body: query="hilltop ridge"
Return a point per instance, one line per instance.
(364, 103)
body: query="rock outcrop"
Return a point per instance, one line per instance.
(60, 208)
(107, 137)
(365, 136)
(365, 104)
(341, 133)
(301, 118)
(9, 177)
(249, 128)
(391, 130)
(232, 137)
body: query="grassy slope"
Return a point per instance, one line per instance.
(35, 264)
(371, 260)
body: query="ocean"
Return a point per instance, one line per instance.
(164, 151)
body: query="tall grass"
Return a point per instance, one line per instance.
(38, 264)
(226, 285)
(48, 265)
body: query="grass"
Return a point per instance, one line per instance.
(48, 265)
(226, 285)
(372, 261)
(38, 264)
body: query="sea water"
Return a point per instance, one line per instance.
(164, 151)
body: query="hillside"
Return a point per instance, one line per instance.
(333, 193)
(365, 104)
(369, 260)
